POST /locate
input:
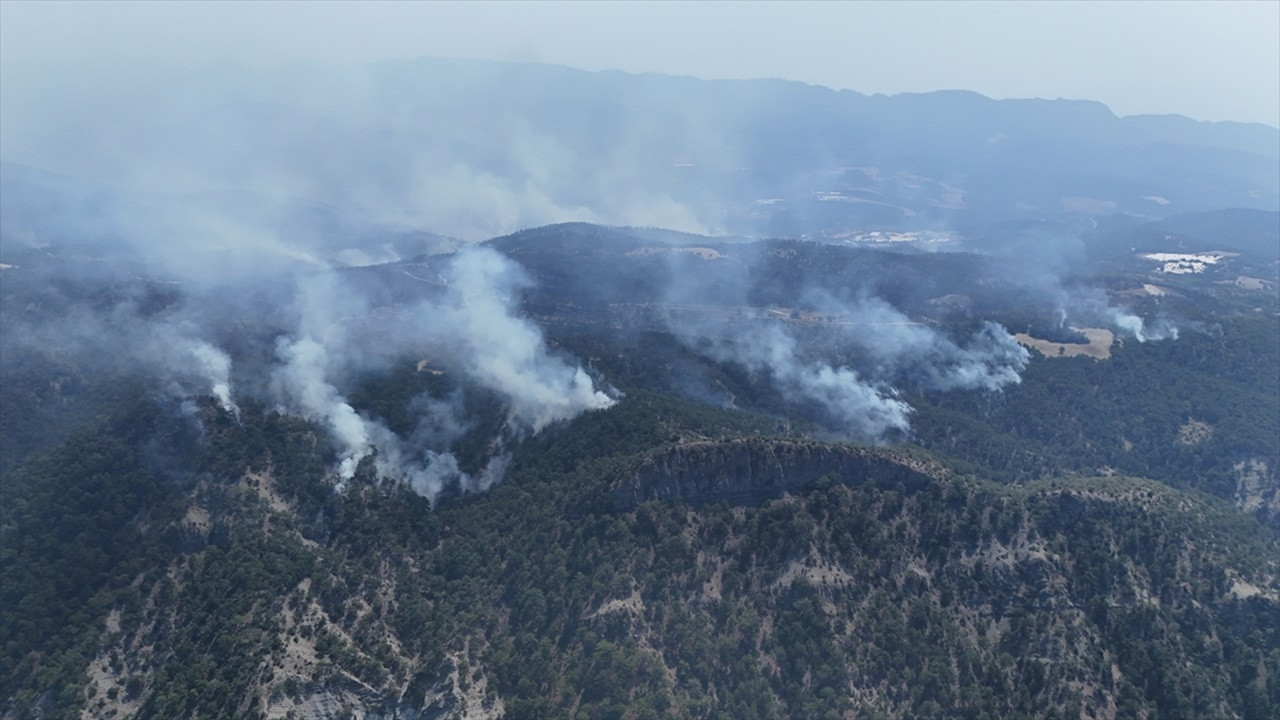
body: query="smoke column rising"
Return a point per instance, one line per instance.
(476, 320)
(301, 382)
(868, 411)
(215, 366)
(508, 354)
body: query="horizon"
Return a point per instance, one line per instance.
(1132, 57)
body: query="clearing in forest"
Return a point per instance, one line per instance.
(1099, 345)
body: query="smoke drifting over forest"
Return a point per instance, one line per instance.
(407, 388)
(198, 272)
(864, 404)
(241, 204)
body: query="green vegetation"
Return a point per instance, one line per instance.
(1130, 417)
(1078, 545)
(959, 599)
(71, 549)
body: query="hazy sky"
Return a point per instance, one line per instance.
(1208, 60)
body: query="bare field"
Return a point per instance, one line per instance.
(1098, 347)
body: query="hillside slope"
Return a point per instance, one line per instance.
(251, 589)
(715, 532)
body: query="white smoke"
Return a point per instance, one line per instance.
(440, 420)
(301, 382)
(428, 472)
(858, 406)
(990, 360)
(215, 366)
(191, 365)
(486, 340)
(508, 354)
(1139, 329)
(860, 400)
(1085, 307)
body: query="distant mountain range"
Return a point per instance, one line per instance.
(475, 149)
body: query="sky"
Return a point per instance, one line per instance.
(1214, 60)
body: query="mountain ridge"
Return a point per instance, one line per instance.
(544, 143)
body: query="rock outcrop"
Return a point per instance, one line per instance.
(753, 471)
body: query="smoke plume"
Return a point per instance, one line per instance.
(853, 403)
(215, 367)
(859, 396)
(990, 359)
(473, 326)
(507, 354)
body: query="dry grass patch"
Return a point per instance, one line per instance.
(1098, 347)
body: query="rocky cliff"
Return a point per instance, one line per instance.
(751, 471)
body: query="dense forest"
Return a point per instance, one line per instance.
(1097, 539)
(254, 584)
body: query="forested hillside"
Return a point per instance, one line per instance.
(253, 587)
(801, 480)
